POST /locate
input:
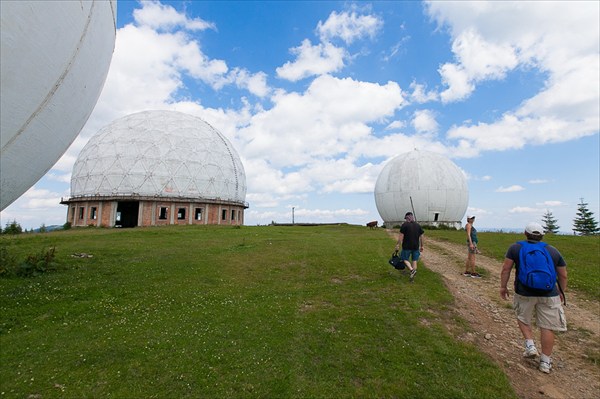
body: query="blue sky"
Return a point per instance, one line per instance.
(317, 96)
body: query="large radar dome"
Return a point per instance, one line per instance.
(429, 183)
(54, 60)
(159, 154)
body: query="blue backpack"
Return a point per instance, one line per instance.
(536, 268)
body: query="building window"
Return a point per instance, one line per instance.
(81, 211)
(224, 214)
(94, 213)
(162, 215)
(436, 217)
(198, 215)
(73, 214)
(233, 214)
(181, 214)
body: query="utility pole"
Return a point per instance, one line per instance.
(292, 215)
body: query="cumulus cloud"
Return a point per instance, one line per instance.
(424, 121)
(523, 209)
(542, 37)
(158, 16)
(348, 26)
(551, 203)
(510, 189)
(312, 60)
(478, 60)
(325, 121)
(421, 95)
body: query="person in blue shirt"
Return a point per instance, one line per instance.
(547, 306)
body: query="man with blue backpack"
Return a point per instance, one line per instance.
(540, 281)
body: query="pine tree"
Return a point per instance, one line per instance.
(585, 224)
(13, 228)
(550, 225)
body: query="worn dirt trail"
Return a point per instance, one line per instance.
(494, 328)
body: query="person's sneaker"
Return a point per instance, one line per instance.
(530, 351)
(466, 274)
(412, 274)
(545, 367)
(475, 275)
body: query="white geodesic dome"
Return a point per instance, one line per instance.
(55, 57)
(437, 187)
(159, 154)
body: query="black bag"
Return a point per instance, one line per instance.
(396, 262)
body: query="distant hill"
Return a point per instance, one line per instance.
(49, 228)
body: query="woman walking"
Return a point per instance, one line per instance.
(472, 250)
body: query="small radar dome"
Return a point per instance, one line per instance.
(425, 183)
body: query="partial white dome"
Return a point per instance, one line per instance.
(437, 187)
(55, 57)
(159, 154)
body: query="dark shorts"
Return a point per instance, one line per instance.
(406, 254)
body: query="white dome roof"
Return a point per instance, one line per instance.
(159, 153)
(55, 58)
(437, 186)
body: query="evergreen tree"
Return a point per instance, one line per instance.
(585, 224)
(13, 228)
(550, 225)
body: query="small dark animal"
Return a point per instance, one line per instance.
(372, 224)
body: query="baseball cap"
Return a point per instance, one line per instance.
(534, 228)
(471, 217)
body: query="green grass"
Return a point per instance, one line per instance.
(176, 312)
(582, 254)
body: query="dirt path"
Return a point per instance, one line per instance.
(494, 328)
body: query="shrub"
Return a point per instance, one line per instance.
(36, 264)
(8, 261)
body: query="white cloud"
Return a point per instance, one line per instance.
(478, 60)
(523, 209)
(458, 82)
(312, 60)
(326, 121)
(395, 125)
(424, 121)
(327, 213)
(421, 95)
(348, 26)
(551, 203)
(558, 39)
(510, 189)
(538, 181)
(158, 16)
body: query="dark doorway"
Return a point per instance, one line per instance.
(127, 214)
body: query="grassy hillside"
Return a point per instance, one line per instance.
(231, 312)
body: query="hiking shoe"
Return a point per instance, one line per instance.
(530, 351)
(466, 274)
(475, 275)
(545, 367)
(412, 274)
